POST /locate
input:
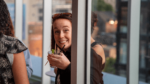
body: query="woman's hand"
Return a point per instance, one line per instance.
(55, 70)
(60, 61)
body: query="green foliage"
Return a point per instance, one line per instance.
(100, 5)
(109, 65)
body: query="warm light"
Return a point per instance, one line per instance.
(111, 22)
(116, 22)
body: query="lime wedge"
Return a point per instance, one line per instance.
(53, 51)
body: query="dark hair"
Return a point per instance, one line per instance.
(6, 26)
(67, 16)
(93, 20)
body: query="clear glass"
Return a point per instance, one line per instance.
(110, 32)
(144, 55)
(32, 34)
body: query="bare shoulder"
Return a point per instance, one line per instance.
(100, 51)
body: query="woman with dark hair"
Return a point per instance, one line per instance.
(97, 55)
(62, 35)
(15, 73)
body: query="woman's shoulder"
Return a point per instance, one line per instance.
(5, 38)
(11, 45)
(100, 51)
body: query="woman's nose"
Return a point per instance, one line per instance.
(61, 34)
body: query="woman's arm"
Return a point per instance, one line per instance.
(19, 69)
(100, 51)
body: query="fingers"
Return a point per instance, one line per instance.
(55, 56)
(54, 62)
(59, 61)
(62, 54)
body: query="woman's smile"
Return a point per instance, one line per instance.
(62, 29)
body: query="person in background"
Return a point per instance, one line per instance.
(17, 72)
(97, 56)
(28, 63)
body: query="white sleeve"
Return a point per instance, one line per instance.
(11, 58)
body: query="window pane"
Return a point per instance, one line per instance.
(32, 35)
(144, 65)
(109, 30)
(11, 8)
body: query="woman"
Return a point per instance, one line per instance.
(62, 35)
(16, 73)
(97, 55)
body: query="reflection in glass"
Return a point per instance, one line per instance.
(110, 34)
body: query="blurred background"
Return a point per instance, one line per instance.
(112, 35)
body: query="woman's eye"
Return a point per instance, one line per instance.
(66, 30)
(56, 31)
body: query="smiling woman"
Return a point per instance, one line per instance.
(61, 35)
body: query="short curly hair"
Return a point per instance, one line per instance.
(67, 16)
(6, 26)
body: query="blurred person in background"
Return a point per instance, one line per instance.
(97, 54)
(14, 72)
(94, 26)
(28, 62)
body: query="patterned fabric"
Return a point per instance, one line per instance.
(8, 45)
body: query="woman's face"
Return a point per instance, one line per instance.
(62, 29)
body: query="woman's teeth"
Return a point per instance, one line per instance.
(62, 41)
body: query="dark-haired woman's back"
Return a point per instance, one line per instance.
(16, 73)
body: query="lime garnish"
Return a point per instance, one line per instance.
(53, 51)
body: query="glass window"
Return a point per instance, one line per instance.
(32, 35)
(144, 62)
(109, 31)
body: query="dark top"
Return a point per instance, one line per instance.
(8, 45)
(96, 76)
(64, 76)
